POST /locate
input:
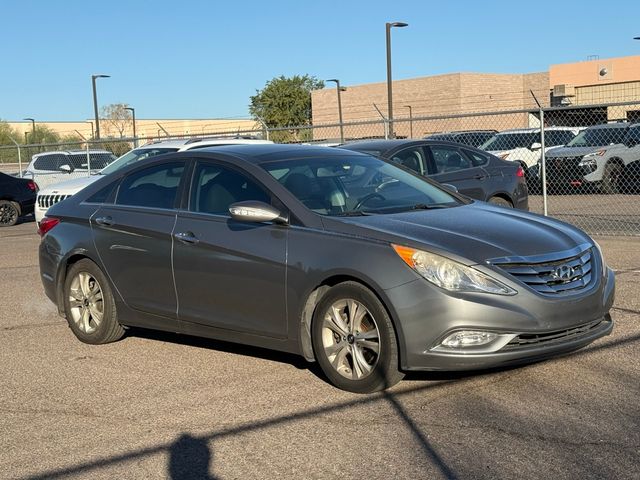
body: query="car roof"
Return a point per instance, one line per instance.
(263, 153)
(70, 152)
(535, 130)
(198, 142)
(456, 132)
(384, 145)
(612, 125)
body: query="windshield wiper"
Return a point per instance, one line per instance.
(353, 213)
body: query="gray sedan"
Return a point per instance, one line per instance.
(348, 260)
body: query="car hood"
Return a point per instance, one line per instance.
(471, 233)
(573, 151)
(69, 187)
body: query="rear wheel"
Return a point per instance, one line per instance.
(611, 178)
(354, 340)
(89, 304)
(9, 213)
(502, 202)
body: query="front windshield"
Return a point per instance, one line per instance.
(134, 156)
(598, 137)
(356, 185)
(509, 141)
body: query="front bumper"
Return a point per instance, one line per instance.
(424, 315)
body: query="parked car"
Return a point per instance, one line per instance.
(524, 145)
(472, 138)
(59, 191)
(17, 197)
(354, 262)
(473, 172)
(605, 157)
(52, 167)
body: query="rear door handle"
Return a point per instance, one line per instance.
(104, 221)
(186, 237)
(479, 176)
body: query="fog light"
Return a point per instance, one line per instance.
(468, 338)
(473, 341)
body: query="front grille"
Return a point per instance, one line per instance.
(561, 169)
(46, 201)
(536, 339)
(552, 277)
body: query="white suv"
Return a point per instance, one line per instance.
(603, 156)
(57, 192)
(47, 168)
(524, 145)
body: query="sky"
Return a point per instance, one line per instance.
(204, 59)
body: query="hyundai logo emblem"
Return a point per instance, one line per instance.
(564, 272)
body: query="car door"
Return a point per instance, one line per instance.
(229, 274)
(133, 237)
(448, 164)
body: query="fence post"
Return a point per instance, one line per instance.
(543, 165)
(88, 160)
(19, 157)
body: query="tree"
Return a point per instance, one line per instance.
(116, 120)
(285, 102)
(43, 134)
(7, 133)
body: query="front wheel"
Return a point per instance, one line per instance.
(354, 340)
(611, 178)
(89, 304)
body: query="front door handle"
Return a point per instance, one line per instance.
(479, 176)
(105, 221)
(186, 237)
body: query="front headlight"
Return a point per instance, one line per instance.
(602, 261)
(449, 274)
(588, 162)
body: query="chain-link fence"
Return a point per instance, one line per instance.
(582, 164)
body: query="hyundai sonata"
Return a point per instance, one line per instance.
(348, 260)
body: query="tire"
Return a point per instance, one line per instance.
(501, 202)
(611, 178)
(9, 213)
(89, 304)
(337, 345)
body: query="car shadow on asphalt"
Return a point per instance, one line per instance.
(286, 358)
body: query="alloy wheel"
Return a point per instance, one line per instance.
(351, 339)
(86, 302)
(8, 214)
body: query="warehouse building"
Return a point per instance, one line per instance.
(584, 86)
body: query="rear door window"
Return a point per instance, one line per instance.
(449, 159)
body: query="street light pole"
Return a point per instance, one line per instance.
(339, 89)
(389, 26)
(33, 128)
(133, 114)
(95, 102)
(410, 120)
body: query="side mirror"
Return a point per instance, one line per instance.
(536, 146)
(451, 188)
(255, 212)
(66, 168)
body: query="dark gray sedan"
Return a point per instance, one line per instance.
(473, 172)
(345, 259)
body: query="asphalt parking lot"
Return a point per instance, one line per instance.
(158, 405)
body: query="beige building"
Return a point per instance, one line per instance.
(573, 84)
(145, 128)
